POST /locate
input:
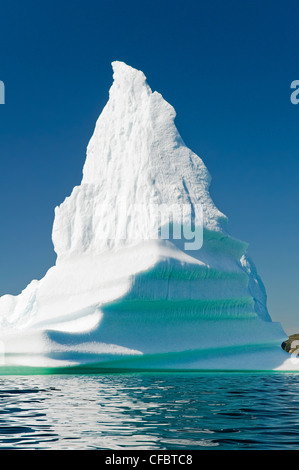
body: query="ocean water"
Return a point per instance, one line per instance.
(170, 411)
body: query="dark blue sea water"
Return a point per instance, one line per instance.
(150, 411)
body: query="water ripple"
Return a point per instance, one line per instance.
(148, 411)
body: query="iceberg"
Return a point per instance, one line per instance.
(123, 297)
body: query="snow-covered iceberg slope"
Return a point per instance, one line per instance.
(121, 298)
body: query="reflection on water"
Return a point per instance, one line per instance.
(150, 411)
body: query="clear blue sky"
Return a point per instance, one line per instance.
(225, 66)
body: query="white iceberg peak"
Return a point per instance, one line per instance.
(135, 157)
(126, 77)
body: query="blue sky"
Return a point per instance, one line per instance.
(225, 66)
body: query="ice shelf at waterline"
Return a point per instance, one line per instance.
(139, 302)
